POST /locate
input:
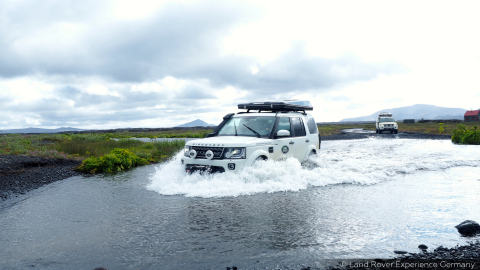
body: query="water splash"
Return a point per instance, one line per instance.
(363, 162)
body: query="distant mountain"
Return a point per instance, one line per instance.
(39, 130)
(417, 111)
(196, 123)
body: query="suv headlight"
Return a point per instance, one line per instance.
(381, 125)
(186, 150)
(234, 153)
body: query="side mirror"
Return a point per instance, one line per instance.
(283, 133)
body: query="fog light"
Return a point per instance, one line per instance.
(231, 166)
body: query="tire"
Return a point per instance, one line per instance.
(376, 131)
(396, 131)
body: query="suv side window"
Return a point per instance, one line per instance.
(284, 124)
(298, 127)
(312, 126)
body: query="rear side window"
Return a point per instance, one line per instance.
(312, 126)
(298, 127)
(284, 124)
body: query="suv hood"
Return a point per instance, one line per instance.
(230, 141)
(387, 123)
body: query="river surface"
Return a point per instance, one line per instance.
(357, 199)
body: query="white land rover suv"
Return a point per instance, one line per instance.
(385, 122)
(267, 130)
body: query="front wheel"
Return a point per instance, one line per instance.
(259, 158)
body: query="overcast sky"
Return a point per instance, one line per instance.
(112, 64)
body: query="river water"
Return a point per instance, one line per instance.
(357, 199)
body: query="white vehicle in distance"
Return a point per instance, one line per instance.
(385, 122)
(266, 130)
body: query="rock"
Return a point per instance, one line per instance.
(422, 247)
(468, 228)
(399, 252)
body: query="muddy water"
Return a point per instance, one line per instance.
(358, 199)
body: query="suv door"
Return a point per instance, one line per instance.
(300, 138)
(284, 146)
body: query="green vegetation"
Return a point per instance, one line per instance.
(464, 135)
(433, 128)
(117, 160)
(100, 149)
(440, 128)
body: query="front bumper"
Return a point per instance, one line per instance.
(213, 165)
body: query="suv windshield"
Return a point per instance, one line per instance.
(257, 126)
(386, 119)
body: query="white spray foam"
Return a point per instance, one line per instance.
(362, 162)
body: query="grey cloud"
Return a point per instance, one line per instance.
(179, 37)
(127, 99)
(183, 41)
(338, 98)
(194, 92)
(128, 107)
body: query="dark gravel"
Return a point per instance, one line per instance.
(20, 174)
(459, 257)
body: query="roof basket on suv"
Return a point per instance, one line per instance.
(293, 106)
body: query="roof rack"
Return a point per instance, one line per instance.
(290, 106)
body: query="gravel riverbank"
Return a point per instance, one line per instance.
(20, 174)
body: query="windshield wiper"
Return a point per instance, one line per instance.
(256, 133)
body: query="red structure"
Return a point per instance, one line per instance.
(472, 116)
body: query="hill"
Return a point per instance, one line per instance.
(39, 130)
(196, 123)
(417, 111)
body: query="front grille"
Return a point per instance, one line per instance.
(201, 150)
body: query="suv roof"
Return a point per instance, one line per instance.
(384, 114)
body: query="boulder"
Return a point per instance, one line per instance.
(422, 247)
(468, 228)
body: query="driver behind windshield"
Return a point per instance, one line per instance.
(262, 126)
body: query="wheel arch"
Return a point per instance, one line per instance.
(257, 153)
